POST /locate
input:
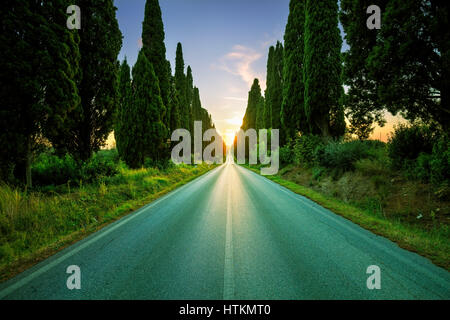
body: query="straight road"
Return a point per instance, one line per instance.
(232, 234)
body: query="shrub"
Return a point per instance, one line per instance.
(342, 156)
(305, 148)
(286, 155)
(102, 164)
(50, 169)
(440, 161)
(407, 143)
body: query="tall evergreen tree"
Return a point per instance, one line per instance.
(148, 134)
(121, 130)
(293, 116)
(322, 68)
(411, 61)
(180, 83)
(254, 102)
(190, 96)
(173, 113)
(38, 71)
(153, 44)
(99, 48)
(361, 101)
(260, 113)
(274, 91)
(268, 93)
(277, 86)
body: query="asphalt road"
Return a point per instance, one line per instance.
(232, 234)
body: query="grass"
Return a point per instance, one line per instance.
(37, 224)
(429, 238)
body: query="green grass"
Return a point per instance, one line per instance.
(432, 243)
(37, 224)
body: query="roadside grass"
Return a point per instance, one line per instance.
(427, 238)
(37, 224)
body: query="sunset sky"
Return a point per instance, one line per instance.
(225, 42)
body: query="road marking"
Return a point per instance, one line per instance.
(228, 279)
(96, 236)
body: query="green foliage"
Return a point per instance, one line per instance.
(286, 155)
(342, 156)
(322, 69)
(50, 169)
(361, 103)
(253, 106)
(181, 87)
(274, 91)
(410, 62)
(305, 149)
(153, 45)
(440, 161)
(293, 117)
(90, 126)
(121, 130)
(145, 128)
(39, 60)
(408, 142)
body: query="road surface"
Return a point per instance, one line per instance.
(232, 234)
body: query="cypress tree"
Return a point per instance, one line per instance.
(145, 128)
(260, 113)
(293, 116)
(277, 86)
(268, 93)
(322, 69)
(174, 102)
(361, 102)
(254, 102)
(190, 96)
(180, 83)
(274, 91)
(121, 131)
(153, 44)
(99, 47)
(38, 72)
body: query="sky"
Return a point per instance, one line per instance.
(226, 43)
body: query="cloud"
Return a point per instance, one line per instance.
(239, 62)
(235, 99)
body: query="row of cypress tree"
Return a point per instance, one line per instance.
(404, 67)
(66, 89)
(154, 102)
(304, 87)
(59, 86)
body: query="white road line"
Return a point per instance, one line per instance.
(18, 284)
(228, 279)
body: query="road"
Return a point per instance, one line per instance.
(232, 234)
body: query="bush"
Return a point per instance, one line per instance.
(50, 169)
(286, 155)
(440, 161)
(342, 156)
(102, 164)
(407, 143)
(305, 148)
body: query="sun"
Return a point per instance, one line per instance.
(229, 137)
